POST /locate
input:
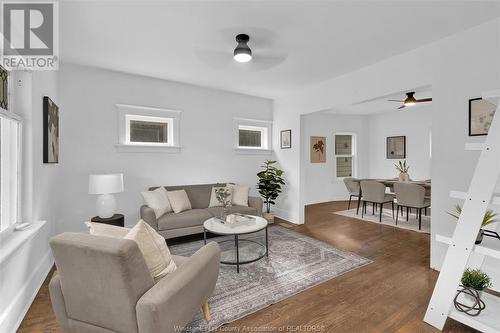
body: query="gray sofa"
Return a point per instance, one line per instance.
(103, 285)
(189, 222)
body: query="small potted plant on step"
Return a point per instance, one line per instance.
(468, 299)
(402, 167)
(269, 186)
(489, 217)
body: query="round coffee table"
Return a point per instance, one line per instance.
(244, 251)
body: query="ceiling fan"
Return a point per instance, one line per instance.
(410, 100)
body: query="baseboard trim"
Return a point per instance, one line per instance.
(14, 314)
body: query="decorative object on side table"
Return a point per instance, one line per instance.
(481, 114)
(396, 147)
(402, 167)
(286, 139)
(489, 217)
(222, 195)
(318, 149)
(269, 186)
(117, 220)
(468, 298)
(106, 185)
(50, 131)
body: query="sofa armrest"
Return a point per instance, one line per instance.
(58, 304)
(257, 203)
(172, 302)
(148, 215)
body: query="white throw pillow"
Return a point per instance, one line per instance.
(153, 248)
(213, 197)
(102, 229)
(158, 201)
(179, 201)
(240, 194)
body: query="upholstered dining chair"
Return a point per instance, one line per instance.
(411, 196)
(103, 285)
(353, 189)
(374, 193)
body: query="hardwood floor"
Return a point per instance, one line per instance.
(389, 295)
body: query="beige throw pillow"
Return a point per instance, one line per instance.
(153, 248)
(179, 201)
(102, 229)
(240, 194)
(158, 201)
(213, 197)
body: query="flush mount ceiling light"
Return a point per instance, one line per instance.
(410, 100)
(242, 53)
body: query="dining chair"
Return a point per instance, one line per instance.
(353, 189)
(374, 193)
(411, 196)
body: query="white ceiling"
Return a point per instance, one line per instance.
(295, 44)
(382, 104)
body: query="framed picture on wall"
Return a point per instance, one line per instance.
(396, 147)
(318, 149)
(50, 131)
(286, 139)
(481, 114)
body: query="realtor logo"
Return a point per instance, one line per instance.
(30, 35)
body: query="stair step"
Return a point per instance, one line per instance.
(495, 200)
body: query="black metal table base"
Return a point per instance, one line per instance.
(237, 242)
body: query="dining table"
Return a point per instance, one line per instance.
(390, 184)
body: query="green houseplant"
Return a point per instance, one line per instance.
(269, 186)
(489, 217)
(402, 167)
(476, 279)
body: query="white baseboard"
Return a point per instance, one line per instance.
(14, 314)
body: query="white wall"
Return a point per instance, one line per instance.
(415, 123)
(89, 132)
(455, 70)
(320, 183)
(26, 257)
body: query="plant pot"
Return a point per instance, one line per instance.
(269, 217)
(404, 177)
(479, 237)
(471, 300)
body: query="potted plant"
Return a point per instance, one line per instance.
(402, 167)
(269, 186)
(477, 280)
(222, 195)
(489, 217)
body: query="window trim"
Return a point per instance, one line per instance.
(14, 117)
(354, 154)
(126, 112)
(264, 126)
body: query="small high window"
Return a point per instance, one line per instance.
(252, 134)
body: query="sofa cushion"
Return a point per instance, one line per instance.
(239, 195)
(158, 201)
(215, 211)
(184, 219)
(102, 229)
(213, 197)
(199, 195)
(179, 201)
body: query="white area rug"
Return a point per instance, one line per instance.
(387, 219)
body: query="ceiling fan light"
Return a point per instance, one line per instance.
(242, 53)
(410, 103)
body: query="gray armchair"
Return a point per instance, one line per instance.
(102, 284)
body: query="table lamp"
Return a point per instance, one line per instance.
(106, 185)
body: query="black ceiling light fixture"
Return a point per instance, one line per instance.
(410, 100)
(242, 53)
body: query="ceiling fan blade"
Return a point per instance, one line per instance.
(424, 100)
(395, 100)
(401, 107)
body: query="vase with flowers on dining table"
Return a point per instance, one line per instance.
(402, 167)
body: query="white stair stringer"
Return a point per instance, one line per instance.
(476, 202)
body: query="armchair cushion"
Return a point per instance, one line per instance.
(154, 249)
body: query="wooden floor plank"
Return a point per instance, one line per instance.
(389, 295)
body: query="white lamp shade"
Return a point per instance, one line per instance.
(106, 184)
